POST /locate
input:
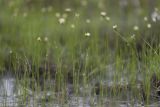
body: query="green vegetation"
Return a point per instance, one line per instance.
(49, 45)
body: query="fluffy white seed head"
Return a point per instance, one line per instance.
(68, 9)
(135, 28)
(133, 36)
(62, 20)
(38, 38)
(10, 52)
(149, 25)
(107, 18)
(88, 21)
(115, 26)
(72, 26)
(145, 18)
(57, 15)
(103, 13)
(87, 34)
(46, 39)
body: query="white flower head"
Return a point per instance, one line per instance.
(135, 28)
(87, 34)
(115, 26)
(46, 39)
(57, 15)
(155, 16)
(107, 18)
(77, 14)
(72, 26)
(133, 36)
(154, 19)
(149, 25)
(68, 10)
(62, 20)
(10, 52)
(39, 39)
(88, 21)
(145, 18)
(103, 13)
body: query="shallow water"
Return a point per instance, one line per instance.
(8, 96)
(12, 95)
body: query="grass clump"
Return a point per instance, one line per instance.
(63, 52)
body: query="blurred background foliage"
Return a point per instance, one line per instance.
(19, 33)
(114, 5)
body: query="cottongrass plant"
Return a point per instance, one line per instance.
(59, 54)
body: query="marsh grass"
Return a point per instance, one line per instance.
(84, 53)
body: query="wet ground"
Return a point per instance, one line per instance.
(13, 93)
(12, 96)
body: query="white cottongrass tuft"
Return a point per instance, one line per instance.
(108, 18)
(88, 21)
(62, 20)
(87, 34)
(133, 36)
(57, 15)
(145, 18)
(155, 16)
(149, 25)
(103, 13)
(10, 52)
(68, 9)
(115, 26)
(39, 39)
(135, 28)
(72, 26)
(46, 39)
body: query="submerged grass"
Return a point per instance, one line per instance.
(52, 51)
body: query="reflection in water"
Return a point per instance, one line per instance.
(8, 91)
(8, 86)
(12, 95)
